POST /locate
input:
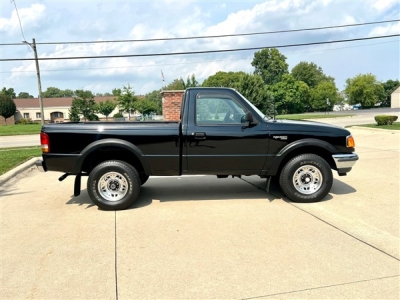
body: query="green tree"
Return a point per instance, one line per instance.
(388, 87)
(180, 84)
(253, 88)
(291, 96)
(323, 91)
(53, 92)
(310, 73)
(223, 79)
(24, 95)
(116, 92)
(155, 97)
(145, 106)
(7, 107)
(364, 89)
(270, 64)
(83, 104)
(8, 92)
(106, 107)
(127, 100)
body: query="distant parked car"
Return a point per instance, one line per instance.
(357, 106)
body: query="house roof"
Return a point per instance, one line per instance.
(52, 102)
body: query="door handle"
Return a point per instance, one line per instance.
(199, 135)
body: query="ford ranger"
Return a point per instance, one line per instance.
(220, 133)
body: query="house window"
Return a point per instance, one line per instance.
(57, 115)
(26, 115)
(38, 115)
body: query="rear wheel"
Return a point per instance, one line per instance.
(306, 178)
(113, 185)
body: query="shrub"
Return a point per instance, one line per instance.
(118, 115)
(26, 121)
(385, 120)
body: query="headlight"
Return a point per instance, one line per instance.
(350, 142)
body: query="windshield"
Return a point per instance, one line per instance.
(252, 106)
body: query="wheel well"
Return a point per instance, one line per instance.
(325, 154)
(111, 153)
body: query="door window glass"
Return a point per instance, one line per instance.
(218, 111)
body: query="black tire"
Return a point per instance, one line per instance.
(306, 178)
(143, 178)
(113, 185)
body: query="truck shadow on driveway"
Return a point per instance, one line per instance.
(208, 188)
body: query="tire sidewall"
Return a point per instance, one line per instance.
(125, 170)
(286, 178)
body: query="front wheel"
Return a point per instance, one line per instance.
(113, 185)
(306, 178)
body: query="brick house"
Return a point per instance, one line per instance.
(171, 104)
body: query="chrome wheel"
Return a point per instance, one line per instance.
(307, 179)
(113, 186)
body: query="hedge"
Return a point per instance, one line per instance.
(385, 120)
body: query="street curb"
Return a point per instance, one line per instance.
(13, 173)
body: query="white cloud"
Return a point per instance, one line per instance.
(386, 30)
(29, 17)
(383, 5)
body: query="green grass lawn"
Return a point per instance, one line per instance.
(20, 129)
(312, 116)
(394, 126)
(12, 157)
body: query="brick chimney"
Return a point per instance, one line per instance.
(171, 104)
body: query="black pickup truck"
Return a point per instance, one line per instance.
(220, 133)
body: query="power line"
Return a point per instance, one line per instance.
(212, 36)
(19, 19)
(200, 52)
(185, 63)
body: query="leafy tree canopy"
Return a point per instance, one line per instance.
(310, 73)
(291, 96)
(8, 92)
(53, 92)
(323, 91)
(155, 97)
(364, 89)
(7, 106)
(127, 100)
(24, 95)
(223, 79)
(270, 64)
(180, 84)
(106, 107)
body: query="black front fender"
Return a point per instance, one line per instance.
(299, 146)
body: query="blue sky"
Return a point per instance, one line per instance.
(84, 20)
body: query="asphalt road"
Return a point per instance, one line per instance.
(197, 237)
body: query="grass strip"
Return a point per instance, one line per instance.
(20, 129)
(394, 126)
(12, 157)
(312, 116)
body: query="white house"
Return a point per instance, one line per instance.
(395, 98)
(55, 109)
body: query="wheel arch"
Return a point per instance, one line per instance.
(311, 146)
(112, 149)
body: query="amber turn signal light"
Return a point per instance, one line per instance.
(350, 142)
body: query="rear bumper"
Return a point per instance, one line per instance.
(344, 162)
(40, 166)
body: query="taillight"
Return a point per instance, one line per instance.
(350, 142)
(45, 142)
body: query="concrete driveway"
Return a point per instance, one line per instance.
(202, 238)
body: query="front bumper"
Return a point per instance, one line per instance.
(344, 162)
(40, 166)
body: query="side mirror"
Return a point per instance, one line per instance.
(249, 118)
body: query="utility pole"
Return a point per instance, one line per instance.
(33, 46)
